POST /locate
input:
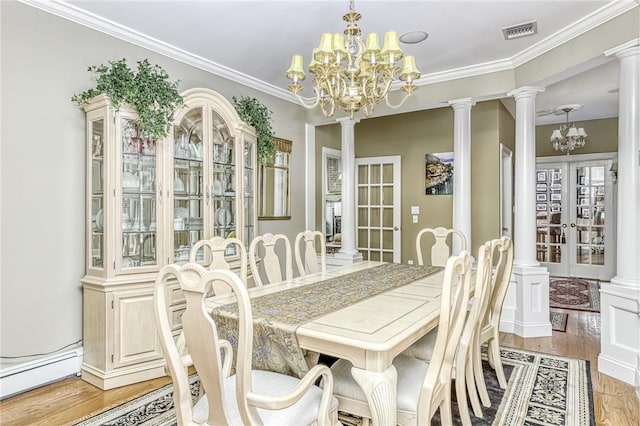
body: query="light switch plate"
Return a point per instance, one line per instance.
(415, 218)
(415, 210)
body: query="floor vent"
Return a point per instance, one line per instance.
(521, 30)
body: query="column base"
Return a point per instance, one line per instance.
(341, 259)
(619, 344)
(526, 308)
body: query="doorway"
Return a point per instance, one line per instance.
(378, 208)
(575, 216)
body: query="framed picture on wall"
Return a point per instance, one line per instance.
(541, 207)
(439, 173)
(556, 196)
(541, 187)
(541, 197)
(541, 176)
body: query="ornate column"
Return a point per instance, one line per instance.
(462, 169)
(620, 299)
(348, 252)
(526, 311)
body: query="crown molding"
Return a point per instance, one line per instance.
(90, 20)
(573, 30)
(79, 16)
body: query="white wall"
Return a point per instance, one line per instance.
(44, 62)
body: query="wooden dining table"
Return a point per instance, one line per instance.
(366, 313)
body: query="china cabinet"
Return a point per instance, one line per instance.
(148, 202)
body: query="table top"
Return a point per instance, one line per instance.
(369, 333)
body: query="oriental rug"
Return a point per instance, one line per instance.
(542, 390)
(558, 321)
(579, 294)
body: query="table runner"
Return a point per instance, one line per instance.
(276, 316)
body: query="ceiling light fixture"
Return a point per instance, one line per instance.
(567, 137)
(353, 75)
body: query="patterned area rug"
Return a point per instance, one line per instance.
(574, 293)
(558, 321)
(543, 390)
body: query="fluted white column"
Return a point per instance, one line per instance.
(525, 182)
(348, 246)
(462, 169)
(620, 299)
(526, 310)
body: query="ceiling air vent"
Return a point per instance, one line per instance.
(521, 30)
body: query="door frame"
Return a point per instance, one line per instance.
(396, 160)
(611, 189)
(506, 191)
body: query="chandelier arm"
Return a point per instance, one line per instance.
(305, 104)
(404, 98)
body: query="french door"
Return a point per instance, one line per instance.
(575, 218)
(378, 208)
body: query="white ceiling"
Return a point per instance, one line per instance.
(255, 39)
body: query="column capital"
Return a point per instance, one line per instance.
(347, 121)
(462, 103)
(632, 47)
(526, 92)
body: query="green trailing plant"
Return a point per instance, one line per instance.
(253, 112)
(148, 91)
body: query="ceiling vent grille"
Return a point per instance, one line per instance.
(521, 30)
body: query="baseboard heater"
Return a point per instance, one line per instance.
(23, 377)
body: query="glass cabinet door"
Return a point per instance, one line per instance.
(97, 193)
(138, 215)
(249, 193)
(223, 179)
(188, 191)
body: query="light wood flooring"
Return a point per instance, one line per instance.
(72, 400)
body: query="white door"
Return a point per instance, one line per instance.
(573, 198)
(378, 208)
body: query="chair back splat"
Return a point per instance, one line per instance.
(271, 262)
(307, 261)
(215, 254)
(440, 251)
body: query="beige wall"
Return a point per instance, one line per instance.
(602, 136)
(412, 136)
(330, 137)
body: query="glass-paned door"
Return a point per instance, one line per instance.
(249, 193)
(97, 193)
(378, 208)
(188, 191)
(574, 211)
(223, 173)
(138, 214)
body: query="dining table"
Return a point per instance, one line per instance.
(366, 313)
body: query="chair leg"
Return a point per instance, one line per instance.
(478, 372)
(446, 418)
(494, 346)
(461, 387)
(471, 387)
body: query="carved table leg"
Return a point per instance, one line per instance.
(380, 390)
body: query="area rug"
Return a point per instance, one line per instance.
(558, 321)
(543, 389)
(574, 293)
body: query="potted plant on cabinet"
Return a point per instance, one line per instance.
(253, 112)
(148, 91)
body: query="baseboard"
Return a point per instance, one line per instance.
(532, 330)
(22, 377)
(617, 370)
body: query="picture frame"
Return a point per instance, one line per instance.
(584, 201)
(541, 176)
(556, 196)
(556, 186)
(585, 213)
(555, 208)
(557, 176)
(584, 190)
(541, 207)
(541, 197)
(581, 180)
(438, 178)
(541, 187)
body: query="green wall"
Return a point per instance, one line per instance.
(412, 136)
(602, 136)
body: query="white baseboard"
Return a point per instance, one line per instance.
(22, 377)
(616, 369)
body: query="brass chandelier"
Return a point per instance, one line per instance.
(568, 137)
(353, 75)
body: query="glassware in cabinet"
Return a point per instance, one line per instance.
(96, 130)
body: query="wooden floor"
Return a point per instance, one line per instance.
(72, 400)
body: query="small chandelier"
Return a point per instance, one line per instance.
(351, 74)
(567, 137)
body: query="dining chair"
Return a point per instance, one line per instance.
(422, 387)
(212, 254)
(491, 323)
(249, 397)
(440, 250)
(309, 264)
(463, 369)
(270, 260)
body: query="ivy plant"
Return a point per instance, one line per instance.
(148, 91)
(253, 112)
